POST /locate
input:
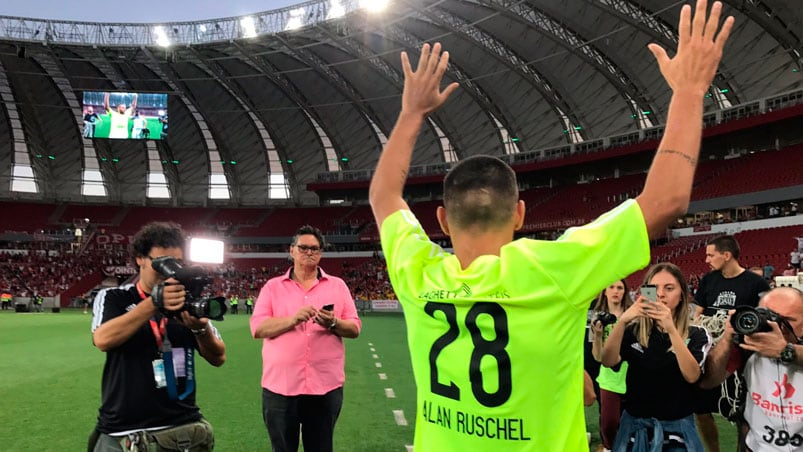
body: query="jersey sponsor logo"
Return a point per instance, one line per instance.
(783, 388)
(779, 405)
(637, 347)
(472, 424)
(464, 291)
(725, 298)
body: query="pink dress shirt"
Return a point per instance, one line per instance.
(309, 359)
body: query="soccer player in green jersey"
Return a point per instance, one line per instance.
(495, 329)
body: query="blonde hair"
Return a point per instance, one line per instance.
(643, 326)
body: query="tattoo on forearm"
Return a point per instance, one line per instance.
(691, 161)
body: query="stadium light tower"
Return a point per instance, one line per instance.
(161, 36)
(336, 10)
(373, 6)
(295, 21)
(249, 29)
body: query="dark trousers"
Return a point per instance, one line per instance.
(314, 415)
(610, 413)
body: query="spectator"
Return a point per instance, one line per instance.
(771, 364)
(768, 271)
(664, 355)
(728, 285)
(614, 300)
(302, 318)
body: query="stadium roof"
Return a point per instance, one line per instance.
(267, 101)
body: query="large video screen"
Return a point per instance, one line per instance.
(125, 116)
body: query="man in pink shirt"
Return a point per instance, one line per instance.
(302, 317)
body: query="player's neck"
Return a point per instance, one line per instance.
(468, 246)
(732, 270)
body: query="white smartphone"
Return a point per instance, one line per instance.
(650, 292)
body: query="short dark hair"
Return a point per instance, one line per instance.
(726, 243)
(157, 233)
(480, 191)
(309, 230)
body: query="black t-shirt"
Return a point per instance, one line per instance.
(716, 291)
(655, 386)
(130, 398)
(90, 118)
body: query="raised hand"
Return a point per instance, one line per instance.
(422, 94)
(699, 49)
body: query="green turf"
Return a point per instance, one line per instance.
(50, 386)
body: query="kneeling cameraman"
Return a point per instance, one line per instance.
(150, 338)
(771, 359)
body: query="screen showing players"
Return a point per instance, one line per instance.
(125, 116)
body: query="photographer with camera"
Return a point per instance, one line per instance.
(611, 304)
(664, 354)
(302, 318)
(725, 287)
(764, 344)
(150, 335)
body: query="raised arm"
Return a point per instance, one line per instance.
(421, 96)
(106, 102)
(667, 189)
(133, 107)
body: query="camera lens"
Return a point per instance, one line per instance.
(747, 322)
(214, 309)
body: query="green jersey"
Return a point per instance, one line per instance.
(609, 379)
(119, 123)
(497, 348)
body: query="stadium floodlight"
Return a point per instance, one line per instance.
(161, 36)
(206, 250)
(202, 28)
(336, 10)
(249, 28)
(373, 6)
(296, 19)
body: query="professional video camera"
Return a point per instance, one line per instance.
(604, 317)
(748, 320)
(194, 279)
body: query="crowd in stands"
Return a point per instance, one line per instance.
(367, 279)
(30, 269)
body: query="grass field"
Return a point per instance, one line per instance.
(50, 386)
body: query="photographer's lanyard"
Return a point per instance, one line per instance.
(166, 352)
(166, 356)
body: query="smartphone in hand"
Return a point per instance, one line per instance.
(328, 307)
(650, 292)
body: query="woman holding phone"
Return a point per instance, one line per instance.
(664, 355)
(613, 301)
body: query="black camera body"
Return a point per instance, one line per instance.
(604, 317)
(194, 279)
(748, 320)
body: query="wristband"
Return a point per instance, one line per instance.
(333, 324)
(157, 296)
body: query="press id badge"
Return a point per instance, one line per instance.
(159, 373)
